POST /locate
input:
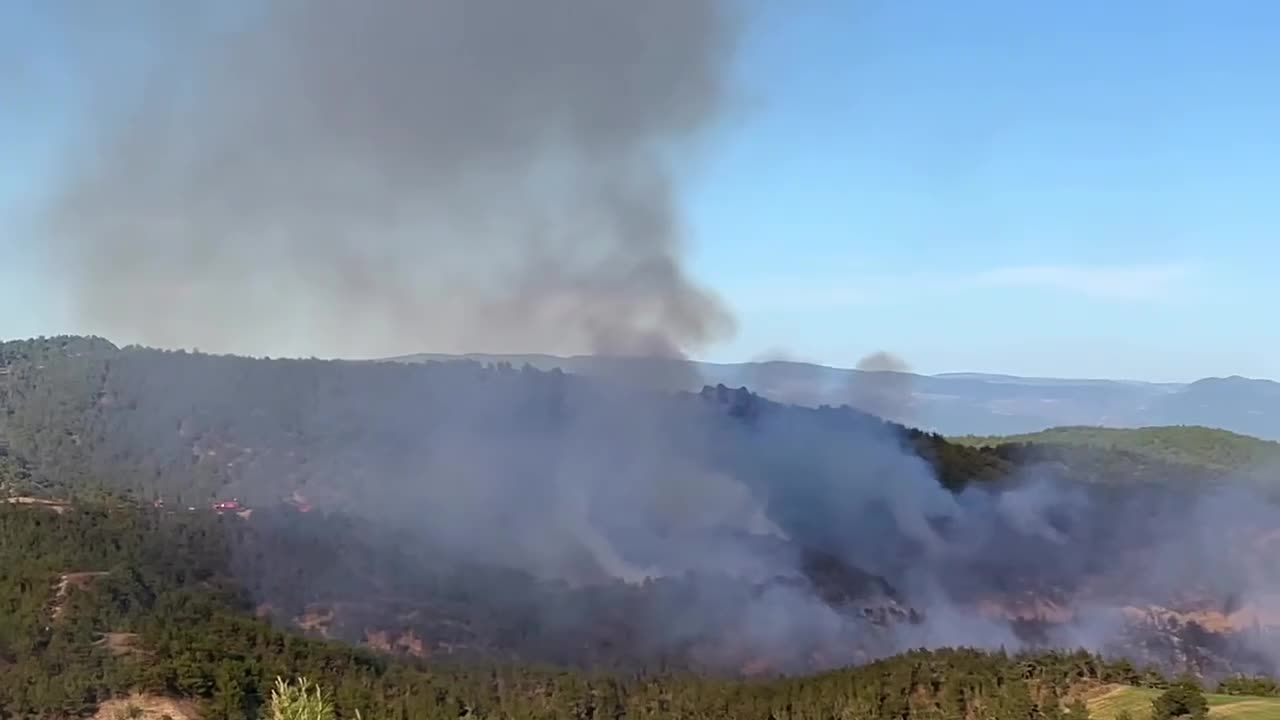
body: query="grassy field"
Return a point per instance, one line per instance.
(1190, 445)
(1107, 703)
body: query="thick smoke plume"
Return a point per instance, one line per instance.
(363, 179)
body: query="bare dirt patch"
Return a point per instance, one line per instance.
(146, 707)
(118, 643)
(57, 506)
(317, 619)
(66, 581)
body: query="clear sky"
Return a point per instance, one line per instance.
(1070, 189)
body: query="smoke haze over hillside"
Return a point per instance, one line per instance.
(368, 179)
(801, 537)
(362, 179)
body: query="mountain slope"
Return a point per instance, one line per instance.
(191, 638)
(956, 403)
(221, 425)
(1210, 448)
(483, 513)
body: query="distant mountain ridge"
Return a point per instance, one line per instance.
(954, 403)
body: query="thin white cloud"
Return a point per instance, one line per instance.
(1119, 282)
(1134, 283)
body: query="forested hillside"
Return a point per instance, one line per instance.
(1209, 448)
(418, 475)
(470, 515)
(150, 607)
(956, 404)
(193, 427)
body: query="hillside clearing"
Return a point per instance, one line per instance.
(66, 581)
(146, 707)
(118, 643)
(1110, 701)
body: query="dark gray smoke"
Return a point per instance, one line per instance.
(367, 179)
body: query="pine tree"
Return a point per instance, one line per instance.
(1183, 699)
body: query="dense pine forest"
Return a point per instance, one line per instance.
(105, 597)
(189, 428)
(192, 427)
(394, 528)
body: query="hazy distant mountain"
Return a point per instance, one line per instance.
(957, 403)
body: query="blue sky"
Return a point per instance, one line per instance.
(1070, 189)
